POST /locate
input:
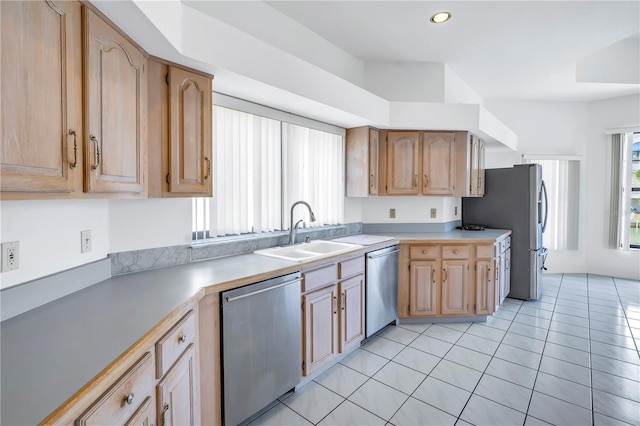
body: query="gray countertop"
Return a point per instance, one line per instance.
(49, 353)
(457, 234)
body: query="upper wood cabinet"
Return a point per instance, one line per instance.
(362, 148)
(180, 163)
(469, 165)
(438, 163)
(115, 110)
(40, 112)
(403, 163)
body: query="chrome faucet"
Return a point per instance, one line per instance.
(294, 228)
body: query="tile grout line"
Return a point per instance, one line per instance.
(593, 417)
(543, 348)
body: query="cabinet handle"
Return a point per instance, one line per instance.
(344, 300)
(335, 304)
(165, 408)
(183, 338)
(129, 398)
(426, 181)
(94, 140)
(208, 167)
(455, 251)
(75, 149)
(445, 275)
(373, 182)
(415, 181)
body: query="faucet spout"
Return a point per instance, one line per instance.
(293, 228)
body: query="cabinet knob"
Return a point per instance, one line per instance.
(455, 251)
(183, 338)
(129, 398)
(424, 251)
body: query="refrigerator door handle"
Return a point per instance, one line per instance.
(546, 207)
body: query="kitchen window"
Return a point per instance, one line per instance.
(264, 161)
(562, 179)
(624, 193)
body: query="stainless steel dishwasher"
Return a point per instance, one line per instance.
(381, 288)
(261, 345)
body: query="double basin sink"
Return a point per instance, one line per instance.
(304, 252)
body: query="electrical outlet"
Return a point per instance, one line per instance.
(85, 241)
(433, 213)
(392, 213)
(455, 211)
(10, 256)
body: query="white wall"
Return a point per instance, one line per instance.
(603, 115)
(144, 224)
(49, 235)
(558, 128)
(405, 81)
(410, 209)
(457, 91)
(575, 129)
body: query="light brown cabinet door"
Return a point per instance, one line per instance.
(178, 393)
(41, 85)
(455, 284)
(351, 312)
(480, 167)
(475, 172)
(403, 163)
(485, 287)
(320, 328)
(424, 280)
(438, 163)
(146, 414)
(362, 160)
(190, 146)
(373, 161)
(115, 110)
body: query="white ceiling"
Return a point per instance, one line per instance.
(523, 50)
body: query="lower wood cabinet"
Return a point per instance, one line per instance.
(159, 387)
(424, 291)
(351, 312)
(120, 403)
(320, 331)
(461, 279)
(455, 287)
(178, 395)
(333, 315)
(145, 415)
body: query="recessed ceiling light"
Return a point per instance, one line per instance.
(440, 17)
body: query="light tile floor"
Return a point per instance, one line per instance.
(570, 358)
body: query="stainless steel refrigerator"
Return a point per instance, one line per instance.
(515, 198)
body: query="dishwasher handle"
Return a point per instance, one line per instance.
(253, 293)
(375, 256)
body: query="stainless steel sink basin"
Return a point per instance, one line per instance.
(308, 251)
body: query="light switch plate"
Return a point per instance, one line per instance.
(85, 241)
(433, 213)
(392, 213)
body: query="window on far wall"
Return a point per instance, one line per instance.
(624, 219)
(562, 180)
(262, 166)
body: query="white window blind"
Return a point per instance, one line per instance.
(247, 174)
(313, 171)
(264, 165)
(562, 180)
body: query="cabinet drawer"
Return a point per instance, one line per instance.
(351, 267)
(172, 344)
(424, 252)
(485, 252)
(319, 277)
(121, 401)
(455, 252)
